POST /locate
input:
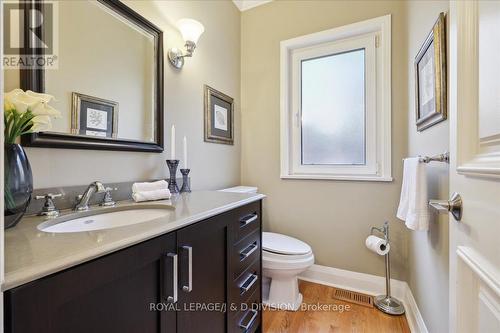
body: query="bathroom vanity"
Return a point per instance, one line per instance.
(197, 269)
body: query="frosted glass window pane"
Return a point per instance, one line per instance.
(333, 109)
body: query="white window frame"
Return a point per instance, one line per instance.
(374, 36)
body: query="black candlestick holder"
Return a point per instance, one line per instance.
(172, 182)
(186, 186)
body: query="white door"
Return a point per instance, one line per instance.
(474, 100)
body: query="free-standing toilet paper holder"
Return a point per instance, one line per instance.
(386, 303)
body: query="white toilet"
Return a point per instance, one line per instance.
(283, 259)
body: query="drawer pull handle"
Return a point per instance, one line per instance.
(246, 220)
(247, 252)
(173, 257)
(245, 286)
(189, 286)
(250, 322)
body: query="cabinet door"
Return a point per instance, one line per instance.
(202, 250)
(115, 293)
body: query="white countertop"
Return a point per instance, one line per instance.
(31, 254)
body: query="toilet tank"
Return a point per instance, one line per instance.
(241, 189)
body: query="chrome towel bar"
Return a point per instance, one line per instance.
(444, 157)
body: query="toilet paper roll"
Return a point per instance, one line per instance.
(378, 245)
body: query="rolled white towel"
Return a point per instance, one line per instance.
(151, 195)
(149, 186)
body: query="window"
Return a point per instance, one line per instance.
(333, 109)
(336, 103)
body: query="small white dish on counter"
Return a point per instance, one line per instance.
(105, 219)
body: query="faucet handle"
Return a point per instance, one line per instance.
(108, 201)
(49, 208)
(48, 196)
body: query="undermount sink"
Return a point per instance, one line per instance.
(106, 218)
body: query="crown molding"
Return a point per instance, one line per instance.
(248, 4)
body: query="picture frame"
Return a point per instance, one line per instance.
(94, 116)
(430, 78)
(219, 117)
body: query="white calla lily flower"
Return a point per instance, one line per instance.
(41, 123)
(46, 98)
(21, 100)
(43, 109)
(12, 94)
(8, 106)
(27, 108)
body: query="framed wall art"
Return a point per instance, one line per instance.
(94, 116)
(430, 78)
(219, 117)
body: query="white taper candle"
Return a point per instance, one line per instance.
(172, 143)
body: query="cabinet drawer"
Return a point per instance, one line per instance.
(245, 252)
(246, 284)
(247, 220)
(248, 318)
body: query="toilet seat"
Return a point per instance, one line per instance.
(284, 245)
(285, 252)
(279, 261)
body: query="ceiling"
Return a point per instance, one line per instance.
(247, 4)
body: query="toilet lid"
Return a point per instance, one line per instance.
(282, 244)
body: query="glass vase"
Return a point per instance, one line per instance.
(18, 184)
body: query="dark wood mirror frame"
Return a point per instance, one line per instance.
(33, 79)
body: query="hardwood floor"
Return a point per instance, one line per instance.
(356, 318)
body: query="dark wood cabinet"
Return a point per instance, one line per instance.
(109, 294)
(184, 281)
(207, 266)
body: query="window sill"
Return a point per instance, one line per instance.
(340, 177)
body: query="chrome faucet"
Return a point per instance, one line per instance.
(83, 200)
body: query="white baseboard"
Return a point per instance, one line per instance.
(415, 320)
(368, 284)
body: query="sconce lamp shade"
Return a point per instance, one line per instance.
(190, 29)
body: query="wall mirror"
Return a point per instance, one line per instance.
(109, 81)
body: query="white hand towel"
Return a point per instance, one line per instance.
(150, 186)
(413, 204)
(151, 195)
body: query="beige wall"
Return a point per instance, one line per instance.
(334, 217)
(216, 62)
(428, 251)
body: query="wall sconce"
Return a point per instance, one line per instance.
(191, 31)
